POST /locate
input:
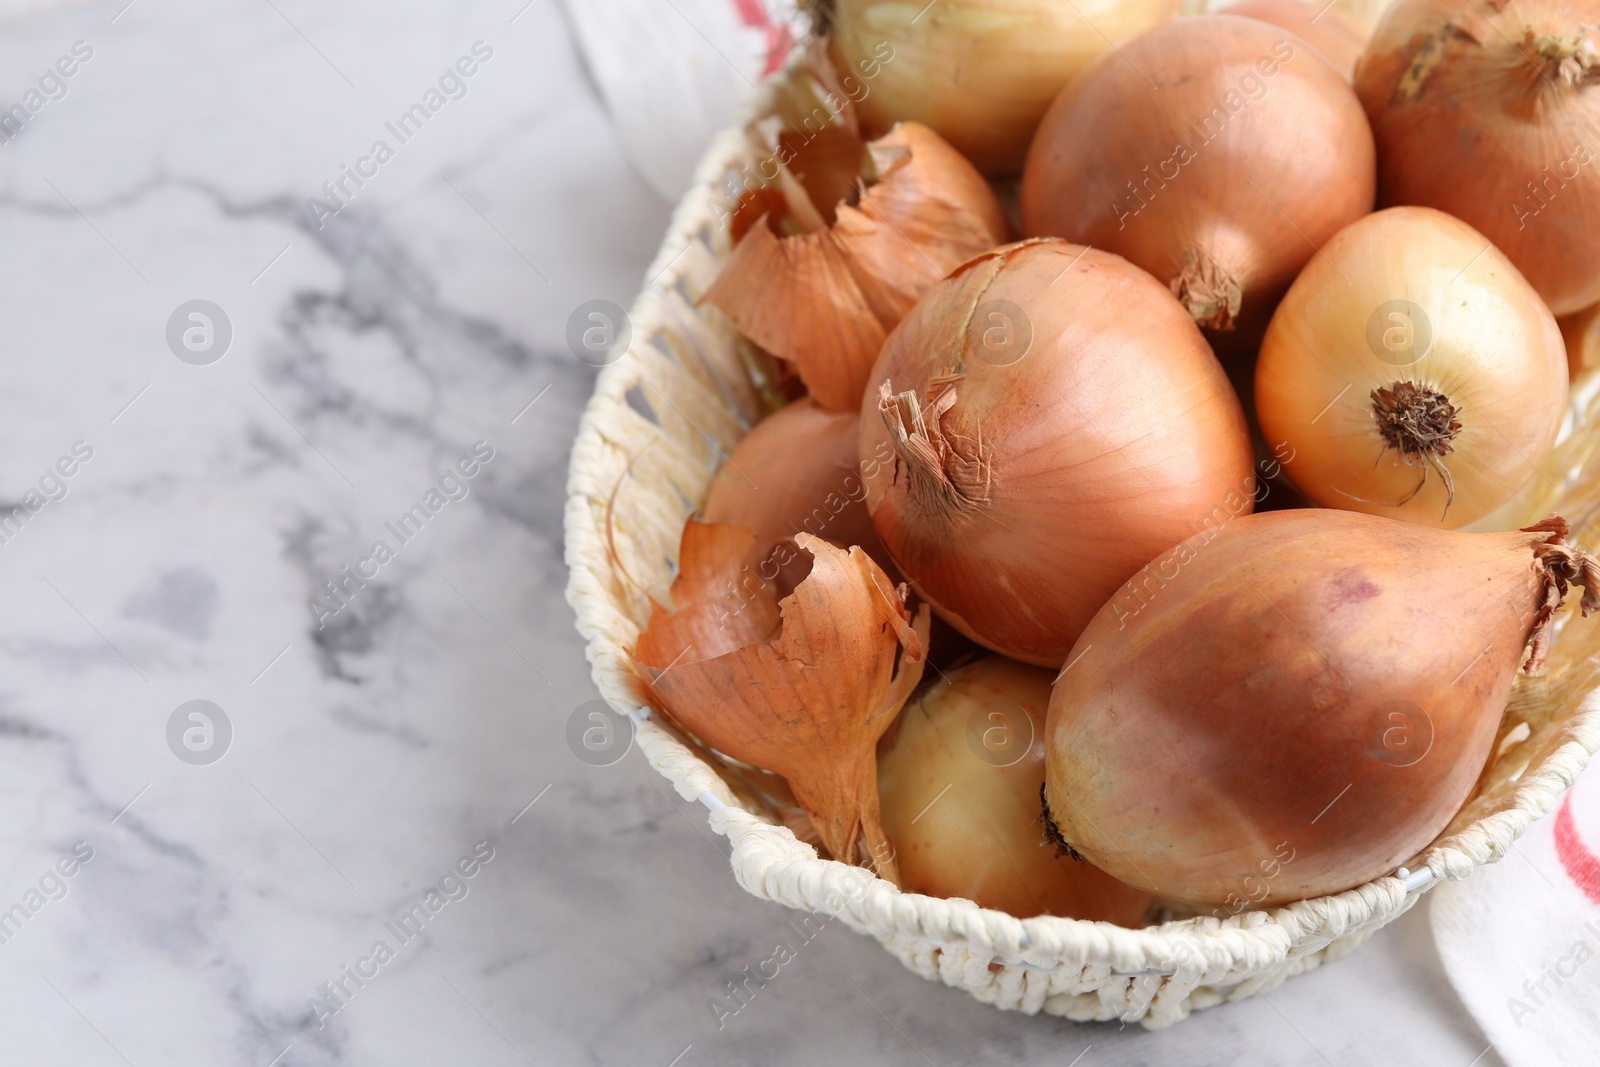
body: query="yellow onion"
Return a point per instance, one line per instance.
(795, 472)
(1056, 419)
(1302, 702)
(803, 687)
(980, 72)
(820, 282)
(1217, 153)
(1489, 111)
(959, 778)
(1411, 372)
(1337, 37)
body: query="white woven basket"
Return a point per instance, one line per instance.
(662, 418)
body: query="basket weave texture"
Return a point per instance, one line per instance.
(663, 417)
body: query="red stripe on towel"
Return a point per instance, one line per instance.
(753, 13)
(1580, 864)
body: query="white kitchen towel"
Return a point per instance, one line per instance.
(1520, 939)
(673, 72)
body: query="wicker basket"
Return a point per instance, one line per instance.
(661, 420)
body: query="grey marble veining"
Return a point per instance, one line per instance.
(380, 750)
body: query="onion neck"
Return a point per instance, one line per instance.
(1568, 59)
(947, 473)
(1207, 291)
(1558, 565)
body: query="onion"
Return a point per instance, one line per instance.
(980, 72)
(1335, 36)
(959, 779)
(1488, 112)
(1411, 372)
(803, 688)
(795, 472)
(1297, 702)
(824, 279)
(1055, 420)
(1217, 153)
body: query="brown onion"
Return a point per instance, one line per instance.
(795, 472)
(822, 281)
(1337, 37)
(1056, 419)
(980, 72)
(1217, 153)
(1296, 703)
(1489, 112)
(958, 782)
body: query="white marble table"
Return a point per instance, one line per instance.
(378, 751)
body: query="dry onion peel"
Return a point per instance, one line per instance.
(825, 298)
(803, 687)
(1304, 705)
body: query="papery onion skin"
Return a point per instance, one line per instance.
(1472, 118)
(1068, 463)
(1215, 152)
(980, 72)
(1301, 707)
(1494, 354)
(1337, 37)
(958, 782)
(802, 687)
(795, 472)
(825, 300)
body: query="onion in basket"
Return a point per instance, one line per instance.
(1411, 372)
(794, 472)
(803, 687)
(1217, 153)
(1489, 111)
(1056, 419)
(980, 72)
(1297, 703)
(959, 778)
(848, 236)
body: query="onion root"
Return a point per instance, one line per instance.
(1419, 423)
(1052, 833)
